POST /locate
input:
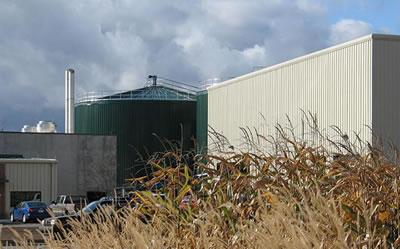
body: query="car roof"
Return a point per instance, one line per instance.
(100, 201)
(30, 202)
(106, 198)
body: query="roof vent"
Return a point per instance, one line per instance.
(154, 77)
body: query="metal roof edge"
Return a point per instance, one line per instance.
(304, 57)
(28, 160)
(385, 37)
(55, 133)
(107, 101)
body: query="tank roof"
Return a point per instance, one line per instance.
(151, 92)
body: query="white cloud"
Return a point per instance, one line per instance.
(116, 44)
(256, 54)
(348, 29)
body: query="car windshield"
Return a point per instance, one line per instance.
(77, 199)
(90, 207)
(36, 204)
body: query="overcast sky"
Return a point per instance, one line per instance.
(115, 44)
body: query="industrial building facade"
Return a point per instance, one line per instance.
(24, 179)
(354, 86)
(86, 164)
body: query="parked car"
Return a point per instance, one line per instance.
(67, 205)
(29, 211)
(57, 224)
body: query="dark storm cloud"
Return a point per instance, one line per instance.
(116, 44)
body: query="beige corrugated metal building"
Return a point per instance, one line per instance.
(22, 179)
(355, 86)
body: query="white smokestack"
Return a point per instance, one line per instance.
(69, 101)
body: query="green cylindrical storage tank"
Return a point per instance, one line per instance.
(202, 122)
(139, 118)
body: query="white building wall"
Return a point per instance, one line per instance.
(334, 84)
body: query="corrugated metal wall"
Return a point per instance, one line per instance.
(135, 122)
(386, 89)
(334, 84)
(31, 176)
(202, 122)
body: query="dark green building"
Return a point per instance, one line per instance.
(202, 122)
(140, 119)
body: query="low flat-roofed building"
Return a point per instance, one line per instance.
(23, 179)
(87, 164)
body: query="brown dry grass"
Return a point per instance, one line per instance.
(299, 197)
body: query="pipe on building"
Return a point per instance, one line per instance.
(69, 101)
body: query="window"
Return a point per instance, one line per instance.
(19, 196)
(36, 204)
(59, 199)
(68, 200)
(37, 197)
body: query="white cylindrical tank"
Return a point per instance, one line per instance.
(28, 128)
(69, 101)
(46, 127)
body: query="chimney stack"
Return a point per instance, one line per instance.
(69, 101)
